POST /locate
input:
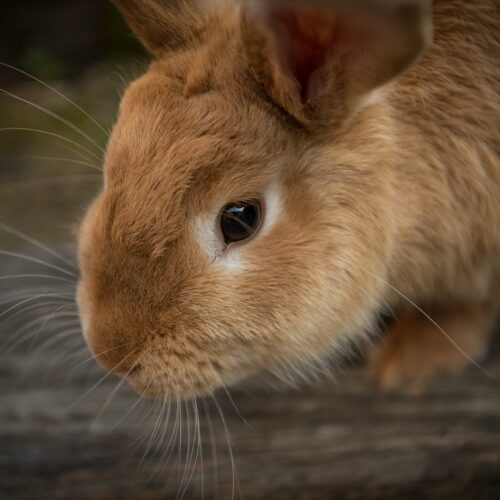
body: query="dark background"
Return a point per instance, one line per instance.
(64, 435)
(59, 38)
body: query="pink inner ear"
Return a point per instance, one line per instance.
(313, 36)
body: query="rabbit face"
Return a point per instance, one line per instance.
(169, 303)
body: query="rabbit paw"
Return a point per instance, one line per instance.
(415, 350)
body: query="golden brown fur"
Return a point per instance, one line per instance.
(383, 197)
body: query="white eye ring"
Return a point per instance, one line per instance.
(207, 232)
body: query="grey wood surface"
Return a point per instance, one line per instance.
(337, 440)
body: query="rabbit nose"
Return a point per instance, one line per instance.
(113, 352)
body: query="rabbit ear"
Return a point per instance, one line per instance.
(163, 25)
(315, 53)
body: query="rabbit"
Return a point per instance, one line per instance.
(282, 174)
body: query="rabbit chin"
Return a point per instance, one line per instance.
(165, 389)
(177, 380)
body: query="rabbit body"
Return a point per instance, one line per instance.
(378, 169)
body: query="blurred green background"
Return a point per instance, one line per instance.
(85, 52)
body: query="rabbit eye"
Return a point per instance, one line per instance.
(240, 221)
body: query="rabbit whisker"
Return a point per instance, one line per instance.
(83, 396)
(60, 137)
(24, 334)
(51, 316)
(42, 304)
(229, 447)
(82, 155)
(36, 276)
(138, 442)
(96, 356)
(447, 335)
(56, 117)
(110, 398)
(169, 448)
(48, 181)
(140, 399)
(66, 160)
(152, 436)
(59, 93)
(200, 445)
(226, 390)
(29, 299)
(213, 446)
(187, 462)
(38, 261)
(193, 458)
(161, 441)
(36, 243)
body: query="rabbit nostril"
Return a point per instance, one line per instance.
(135, 369)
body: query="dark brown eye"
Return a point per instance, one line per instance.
(239, 221)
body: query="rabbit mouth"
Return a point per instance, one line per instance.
(164, 379)
(136, 369)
